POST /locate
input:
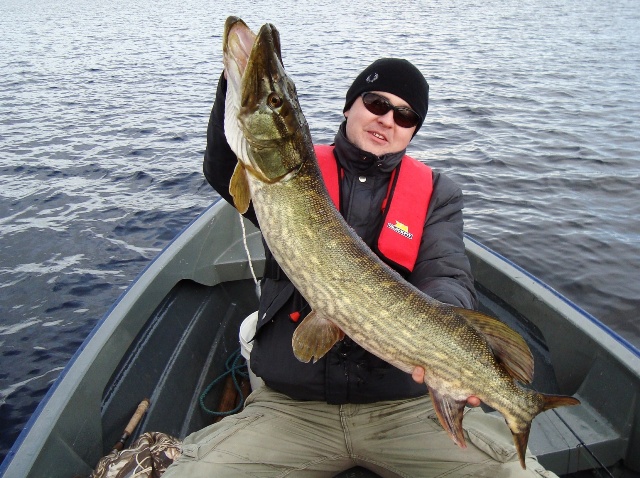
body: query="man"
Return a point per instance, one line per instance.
(351, 408)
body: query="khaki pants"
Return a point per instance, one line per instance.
(275, 436)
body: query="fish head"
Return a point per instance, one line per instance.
(264, 123)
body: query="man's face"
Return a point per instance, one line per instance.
(377, 134)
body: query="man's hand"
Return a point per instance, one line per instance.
(418, 376)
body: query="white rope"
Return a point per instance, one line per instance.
(246, 249)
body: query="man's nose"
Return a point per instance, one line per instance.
(387, 118)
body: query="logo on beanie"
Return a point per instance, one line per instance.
(372, 77)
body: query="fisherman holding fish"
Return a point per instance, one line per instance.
(347, 407)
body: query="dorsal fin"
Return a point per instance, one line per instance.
(507, 344)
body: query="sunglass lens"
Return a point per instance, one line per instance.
(376, 104)
(405, 118)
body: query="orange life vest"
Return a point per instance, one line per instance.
(404, 209)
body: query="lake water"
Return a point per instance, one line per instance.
(534, 111)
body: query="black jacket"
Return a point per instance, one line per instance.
(348, 374)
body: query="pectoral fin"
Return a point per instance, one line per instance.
(314, 337)
(239, 188)
(450, 413)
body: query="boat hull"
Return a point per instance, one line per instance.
(171, 332)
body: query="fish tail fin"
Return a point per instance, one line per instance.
(554, 401)
(521, 438)
(520, 441)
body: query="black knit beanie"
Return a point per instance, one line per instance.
(396, 76)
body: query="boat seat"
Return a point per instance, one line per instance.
(572, 439)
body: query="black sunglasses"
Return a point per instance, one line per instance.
(379, 105)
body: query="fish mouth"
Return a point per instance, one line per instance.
(238, 40)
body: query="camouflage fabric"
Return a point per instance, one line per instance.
(147, 457)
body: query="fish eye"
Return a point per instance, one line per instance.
(274, 100)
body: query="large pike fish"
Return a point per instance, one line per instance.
(350, 290)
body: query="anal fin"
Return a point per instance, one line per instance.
(450, 413)
(314, 337)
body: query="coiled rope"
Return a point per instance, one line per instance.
(236, 365)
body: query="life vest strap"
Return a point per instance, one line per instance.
(404, 209)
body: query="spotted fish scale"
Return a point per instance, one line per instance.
(350, 290)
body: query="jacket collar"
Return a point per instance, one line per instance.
(356, 161)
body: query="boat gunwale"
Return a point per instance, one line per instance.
(563, 306)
